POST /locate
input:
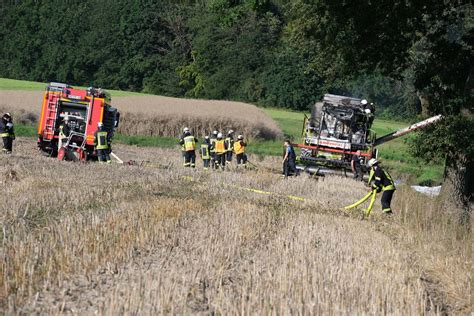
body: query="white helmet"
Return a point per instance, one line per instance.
(215, 133)
(372, 162)
(363, 102)
(231, 131)
(206, 137)
(219, 135)
(368, 111)
(100, 124)
(240, 137)
(185, 130)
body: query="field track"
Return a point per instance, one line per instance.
(82, 239)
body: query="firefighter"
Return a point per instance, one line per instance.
(183, 151)
(7, 132)
(239, 150)
(205, 152)
(221, 149)
(369, 109)
(189, 143)
(64, 131)
(213, 139)
(289, 160)
(229, 143)
(355, 166)
(380, 180)
(102, 144)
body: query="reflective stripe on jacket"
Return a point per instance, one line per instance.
(239, 147)
(220, 146)
(189, 143)
(382, 179)
(6, 129)
(229, 142)
(205, 151)
(213, 144)
(101, 140)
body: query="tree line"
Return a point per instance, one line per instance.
(408, 56)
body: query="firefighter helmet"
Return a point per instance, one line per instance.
(240, 137)
(372, 162)
(363, 102)
(100, 124)
(215, 133)
(219, 135)
(231, 131)
(185, 130)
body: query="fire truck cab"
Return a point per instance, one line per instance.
(69, 119)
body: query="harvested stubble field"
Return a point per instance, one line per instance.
(85, 239)
(162, 116)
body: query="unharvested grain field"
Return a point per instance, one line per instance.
(90, 238)
(162, 116)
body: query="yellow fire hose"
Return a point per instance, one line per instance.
(372, 194)
(291, 197)
(372, 201)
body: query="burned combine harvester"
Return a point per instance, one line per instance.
(338, 128)
(69, 119)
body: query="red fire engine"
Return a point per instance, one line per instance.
(69, 119)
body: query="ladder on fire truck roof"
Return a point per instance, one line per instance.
(52, 114)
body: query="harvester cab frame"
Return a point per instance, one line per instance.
(69, 119)
(338, 127)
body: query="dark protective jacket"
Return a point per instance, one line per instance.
(213, 140)
(382, 181)
(205, 150)
(6, 129)
(229, 143)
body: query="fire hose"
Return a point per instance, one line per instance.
(372, 194)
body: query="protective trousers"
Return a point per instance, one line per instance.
(7, 144)
(228, 156)
(103, 155)
(386, 200)
(213, 160)
(190, 159)
(241, 159)
(220, 160)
